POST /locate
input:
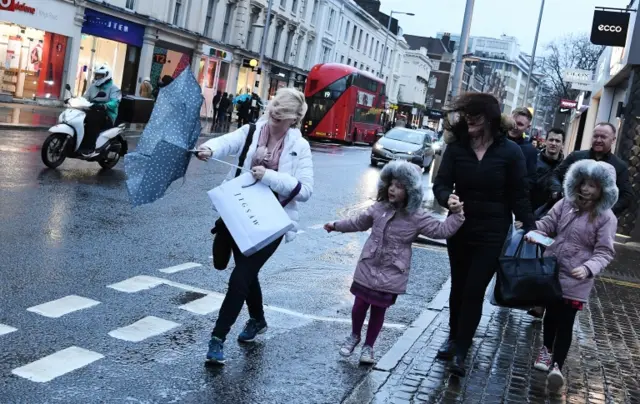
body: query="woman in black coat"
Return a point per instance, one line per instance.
(486, 172)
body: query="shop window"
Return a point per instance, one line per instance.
(32, 62)
(223, 76)
(176, 12)
(130, 5)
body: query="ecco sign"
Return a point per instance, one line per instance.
(609, 28)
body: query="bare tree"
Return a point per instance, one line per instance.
(570, 51)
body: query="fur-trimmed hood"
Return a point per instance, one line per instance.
(408, 175)
(506, 124)
(599, 171)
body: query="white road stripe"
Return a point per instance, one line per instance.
(316, 226)
(136, 284)
(181, 267)
(205, 305)
(148, 327)
(5, 329)
(198, 308)
(57, 364)
(65, 305)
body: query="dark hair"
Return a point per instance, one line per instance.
(556, 131)
(475, 104)
(613, 128)
(523, 112)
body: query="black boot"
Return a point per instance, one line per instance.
(447, 350)
(457, 367)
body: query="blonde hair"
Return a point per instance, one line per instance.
(288, 103)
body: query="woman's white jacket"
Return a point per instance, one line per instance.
(295, 165)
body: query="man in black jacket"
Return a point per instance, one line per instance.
(604, 135)
(522, 118)
(548, 160)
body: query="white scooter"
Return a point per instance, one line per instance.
(66, 137)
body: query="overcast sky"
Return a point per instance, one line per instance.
(496, 17)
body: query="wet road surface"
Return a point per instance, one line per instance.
(100, 302)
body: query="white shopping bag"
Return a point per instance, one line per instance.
(252, 213)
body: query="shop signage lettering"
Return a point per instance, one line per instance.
(609, 28)
(577, 76)
(220, 54)
(160, 58)
(106, 26)
(568, 104)
(12, 5)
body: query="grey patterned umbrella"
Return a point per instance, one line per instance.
(162, 154)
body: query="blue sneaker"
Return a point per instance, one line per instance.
(252, 329)
(216, 352)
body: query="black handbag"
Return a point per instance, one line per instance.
(527, 281)
(222, 240)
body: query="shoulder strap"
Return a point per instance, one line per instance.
(245, 149)
(293, 194)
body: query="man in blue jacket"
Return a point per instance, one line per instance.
(523, 118)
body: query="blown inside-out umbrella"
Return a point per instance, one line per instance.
(163, 152)
(241, 98)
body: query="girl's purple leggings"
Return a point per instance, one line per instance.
(376, 319)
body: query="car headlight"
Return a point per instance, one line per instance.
(436, 146)
(409, 153)
(378, 146)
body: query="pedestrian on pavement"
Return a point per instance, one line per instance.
(146, 88)
(584, 227)
(382, 273)
(604, 136)
(216, 105)
(487, 172)
(522, 122)
(223, 106)
(281, 158)
(548, 159)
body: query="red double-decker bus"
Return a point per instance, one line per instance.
(345, 104)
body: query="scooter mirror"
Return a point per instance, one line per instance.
(101, 94)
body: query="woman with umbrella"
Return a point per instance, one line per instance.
(281, 159)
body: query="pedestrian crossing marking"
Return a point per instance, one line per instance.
(137, 284)
(57, 364)
(147, 327)
(205, 305)
(60, 307)
(181, 267)
(5, 329)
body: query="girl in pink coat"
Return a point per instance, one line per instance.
(382, 273)
(584, 228)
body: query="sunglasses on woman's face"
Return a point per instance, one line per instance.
(473, 120)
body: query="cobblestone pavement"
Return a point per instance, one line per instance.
(603, 364)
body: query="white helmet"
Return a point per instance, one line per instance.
(101, 75)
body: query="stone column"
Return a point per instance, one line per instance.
(195, 59)
(241, 23)
(73, 51)
(146, 56)
(629, 150)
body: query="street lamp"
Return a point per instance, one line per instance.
(533, 56)
(387, 38)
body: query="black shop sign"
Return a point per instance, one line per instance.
(609, 28)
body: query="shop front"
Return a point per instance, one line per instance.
(34, 39)
(213, 74)
(169, 60)
(247, 77)
(278, 78)
(113, 41)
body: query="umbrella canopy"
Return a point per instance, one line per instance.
(241, 98)
(162, 154)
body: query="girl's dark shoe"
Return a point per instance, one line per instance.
(447, 350)
(457, 367)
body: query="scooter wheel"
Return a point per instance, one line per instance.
(108, 164)
(53, 153)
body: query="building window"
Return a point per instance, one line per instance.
(227, 21)
(276, 42)
(353, 35)
(349, 61)
(209, 18)
(332, 15)
(361, 66)
(287, 48)
(342, 59)
(377, 51)
(176, 12)
(360, 40)
(130, 4)
(283, 4)
(308, 52)
(346, 31)
(253, 20)
(326, 53)
(366, 42)
(294, 7)
(433, 81)
(314, 13)
(355, 63)
(371, 48)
